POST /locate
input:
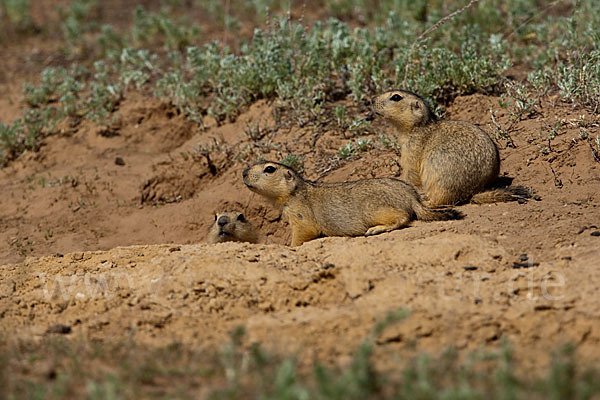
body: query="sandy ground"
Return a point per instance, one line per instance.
(104, 234)
(523, 272)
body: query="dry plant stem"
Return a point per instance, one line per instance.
(225, 14)
(595, 153)
(557, 181)
(423, 36)
(505, 132)
(301, 20)
(268, 20)
(543, 11)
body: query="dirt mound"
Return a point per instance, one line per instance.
(153, 126)
(317, 301)
(176, 181)
(522, 272)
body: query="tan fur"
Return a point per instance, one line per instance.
(365, 207)
(451, 160)
(231, 227)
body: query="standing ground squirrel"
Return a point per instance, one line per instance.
(365, 207)
(231, 227)
(452, 160)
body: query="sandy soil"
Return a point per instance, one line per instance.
(104, 233)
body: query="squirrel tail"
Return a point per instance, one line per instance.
(511, 193)
(437, 214)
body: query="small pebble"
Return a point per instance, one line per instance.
(519, 265)
(59, 328)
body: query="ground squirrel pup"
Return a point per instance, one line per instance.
(231, 227)
(452, 160)
(365, 207)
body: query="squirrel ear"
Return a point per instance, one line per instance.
(288, 175)
(415, 105)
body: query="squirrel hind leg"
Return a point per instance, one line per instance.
(387, 220)
(437, 196)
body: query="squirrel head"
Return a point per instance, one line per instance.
(231, 226)
(272, 180)
(403, 109)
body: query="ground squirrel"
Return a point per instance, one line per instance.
(453, 161)
(364, 207)
(231, 227)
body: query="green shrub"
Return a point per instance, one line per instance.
(17, 12)
(148, 27)
(76, 23)
(307, 69)
(294, 161)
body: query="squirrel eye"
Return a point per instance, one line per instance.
(396, 97)
(241, 218)
(269, 169)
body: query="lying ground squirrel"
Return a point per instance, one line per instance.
(365, 207)
(231, 227)
(453, 161)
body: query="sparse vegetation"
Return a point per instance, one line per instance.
(55, 368)
(294, 161)
(76, 24)
(149, 26)
(351, 149)
(16, 13)
(306, 67)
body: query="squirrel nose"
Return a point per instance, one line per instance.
(372, 100)
(223, 220)
(245, 172)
